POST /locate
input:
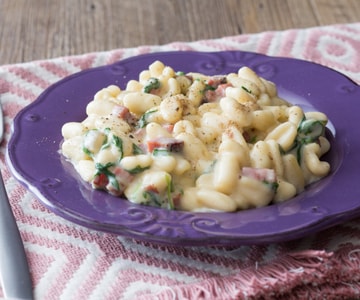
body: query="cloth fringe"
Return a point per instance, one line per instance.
(311, 274)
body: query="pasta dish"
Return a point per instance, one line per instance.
(196, 142)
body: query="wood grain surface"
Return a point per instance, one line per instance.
(40, 29)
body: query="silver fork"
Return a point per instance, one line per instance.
(14, 270)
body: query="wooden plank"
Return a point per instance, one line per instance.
(337, 11)
(42, 29)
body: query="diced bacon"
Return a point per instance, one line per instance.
(120, 111)
(123, 178)
(106, 180)
(246, 136)
(249, 136)
(123, 112)
(176, 200)
(169, 127)
(100, 181)
(152, 188)
(216, 80)
(169, 144)
(220, 90)
(261, 174)
(217, 94)
(156, 92)
(139, 134)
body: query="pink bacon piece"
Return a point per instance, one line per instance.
(262, 174)
(169, 144)
(217, 94)
(123, 112)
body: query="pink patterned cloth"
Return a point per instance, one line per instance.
(68, 261)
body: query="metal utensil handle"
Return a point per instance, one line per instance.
(14, 270)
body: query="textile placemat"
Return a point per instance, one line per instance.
(68, 261)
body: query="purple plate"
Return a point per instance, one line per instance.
(33, 155)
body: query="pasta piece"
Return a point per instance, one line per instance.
(250, 75)
(242, 152)
(86, 169)
(139, 103)
(184, 126)
(236, 112)
(156, 68)
(311, 155)
(259, 155)
(293, 172)
(244, 83)
(296, 115)
(263, 120)
(215, 200)
(284, 191)
(226, 173)
(72, 129)
(241, 95)
(195, 92)
(171, 109)
(252, 193)
(194, 148)
(72, 147)
(284, 134)
(134, 86)
(100, 108)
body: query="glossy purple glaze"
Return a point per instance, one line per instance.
(33, 155)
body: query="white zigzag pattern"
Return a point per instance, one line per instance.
(23, 83)
(185, 261)
(8, 98)
(107, 283)
(41, 289)
(60, 260)
(80, 274)
(134, 288)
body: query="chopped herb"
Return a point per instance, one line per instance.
(309, 131)
(137, 170)
(281, 150)
(152, 198)
(104, 169)
(152, 84)
(119, 144)
(106, 143)
(136, 149)
(160, 152)
(253, 139)
(298, 153)
(169, 190)
(87, 152)
(90, 136)
(210, 168)
(246, 89)
(209, 87)
(143, 121)
(272, 185)
(180, 73)
(114, 182)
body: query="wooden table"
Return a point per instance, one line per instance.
(40, 29)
